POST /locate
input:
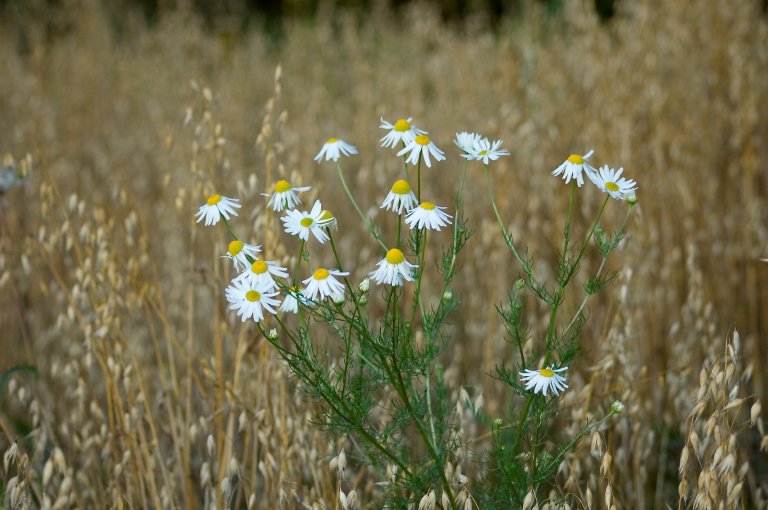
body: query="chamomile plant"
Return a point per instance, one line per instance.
(378, 378)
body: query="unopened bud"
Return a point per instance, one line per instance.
(363, 300)
(617, 407)
(632, 199)
(520, 283)
(338, 298)
(447, 296)
(365, 285)
(272, 334)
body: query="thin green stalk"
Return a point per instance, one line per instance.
(229, 227)
(597, 274)
(418, 178)
(586, 241)
(368, 223)
(567, 229)
(460, 194)
(507, 237)
(298, 262)
(417, 294)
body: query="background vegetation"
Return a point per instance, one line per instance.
(146, 393)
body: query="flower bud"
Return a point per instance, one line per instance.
(365, 285)
(338, 298)
(632, 199)
(363, 300)
(272, 334)
(447, 296)
(520, 283)
(617, 407)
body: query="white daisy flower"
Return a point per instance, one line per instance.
(484, 151)
(285, 196)
(427, 215)
(239, 252)
(216, 207)
(333, 149)
(421, 146)
(465, 141)
(401, 131)
(301, 223)
(544, 380)
(610, 181)
(292, 299)
(400, 198)
(393, 269)
(261, 274)
(250, 301)
(573, 167)
(328, 220)
(322, 284)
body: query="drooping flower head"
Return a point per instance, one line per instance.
(465, 141)
(215, 207)
(322, 284)
(401, 131)
(261, 274)
(239, 252)
(421, 147)
(544, 380)
(333, 148)
(301, 223)
(574, 166)
(400, 198)
(610, 181)
(293, 298)
(484, 151)
(328, 220)
(250, 301)
(393, 269)
(285, 196)
(427, 215)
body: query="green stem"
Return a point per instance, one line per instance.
(567, 229)
(298, 262)
(597, 274)
(586, 242)
(418, 180)
(368, 223)
(507, 237)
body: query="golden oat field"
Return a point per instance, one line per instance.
(126, 381)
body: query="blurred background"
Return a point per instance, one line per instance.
(119, 118)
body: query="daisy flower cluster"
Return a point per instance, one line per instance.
(255, 290)
(606, 178)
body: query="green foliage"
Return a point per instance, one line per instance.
(376, 377)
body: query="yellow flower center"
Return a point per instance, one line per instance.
(545, 372)
(402, 125)
(611, 186)
(332, 140)
(401, 187)
(427, 205)
(395, 256)
(307, 222)
(482, 152)
(422, 140)
(576, 159)
(259, 267)
(282, 186)
(326, 216)
(235, 247)
(252, 296)
(321, 274)
(214, 199)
